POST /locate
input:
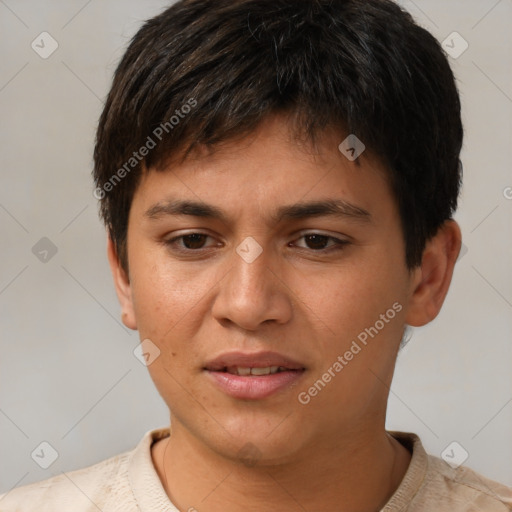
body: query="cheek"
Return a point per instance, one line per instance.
(350, 303)
(345, 298)
(170, 300)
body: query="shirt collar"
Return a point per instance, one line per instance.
(144, 480)
(415, 474)
(150, 494)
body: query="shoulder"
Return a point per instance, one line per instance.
(465, 489)
(87, 489)
(118, 484)
(430, 483)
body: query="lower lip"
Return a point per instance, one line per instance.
(254, 387)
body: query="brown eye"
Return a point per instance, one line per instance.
(194, 241)
(318, 242)
(191, 242)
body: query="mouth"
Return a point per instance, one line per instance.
(255, 371)
(253, 376)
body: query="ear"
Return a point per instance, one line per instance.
(123, 287)
(432, 279)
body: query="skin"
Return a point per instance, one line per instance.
(295, 299)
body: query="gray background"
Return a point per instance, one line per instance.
(68, 373)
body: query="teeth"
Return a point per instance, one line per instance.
(236, 370)
(260, 371)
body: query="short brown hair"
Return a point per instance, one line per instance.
(360, 64)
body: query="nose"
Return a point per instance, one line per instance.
(252, 293)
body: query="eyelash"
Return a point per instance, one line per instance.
(338, 244)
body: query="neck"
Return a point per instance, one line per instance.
(360, 472)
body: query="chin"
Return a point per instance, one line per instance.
(259, 440)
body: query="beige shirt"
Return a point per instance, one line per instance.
(129, 483)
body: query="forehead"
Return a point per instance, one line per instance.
(269, 169)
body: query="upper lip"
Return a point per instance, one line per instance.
(252, 360)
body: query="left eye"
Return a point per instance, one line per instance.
(319, 241)
(315, 241)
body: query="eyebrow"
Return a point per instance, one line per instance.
(302, 210)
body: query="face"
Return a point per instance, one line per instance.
(254, 278)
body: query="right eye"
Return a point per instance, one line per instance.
(190, 242)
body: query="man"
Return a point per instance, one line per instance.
(278, 180)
